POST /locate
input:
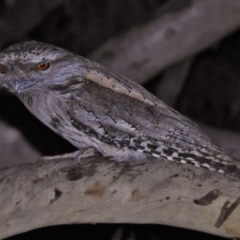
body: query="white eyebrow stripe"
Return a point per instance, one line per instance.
(111, 83)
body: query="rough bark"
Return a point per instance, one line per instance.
(44, 194)
(176, 34)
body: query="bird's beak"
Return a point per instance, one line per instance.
(15, 86)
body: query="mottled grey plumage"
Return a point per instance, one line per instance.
(95, 109)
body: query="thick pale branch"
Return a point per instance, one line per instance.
(177, 34)
(44, 194)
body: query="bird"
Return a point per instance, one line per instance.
(98, 111)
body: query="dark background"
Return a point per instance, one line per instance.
(211, 87)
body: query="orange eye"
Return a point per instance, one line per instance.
(3, 69)
(43, 66)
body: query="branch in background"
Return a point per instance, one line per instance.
(144, 51)
(33, 195)
(15, 25)
(14, 147)
(228, 140)
(172, 81)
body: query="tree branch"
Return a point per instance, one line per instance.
(174, 35)
(52, 193)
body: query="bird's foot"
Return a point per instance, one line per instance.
(76, 156)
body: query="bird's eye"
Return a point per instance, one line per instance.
(43, 66)
(3, 69)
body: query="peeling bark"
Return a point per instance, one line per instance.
(226, 212)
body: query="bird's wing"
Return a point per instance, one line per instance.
(117, 110)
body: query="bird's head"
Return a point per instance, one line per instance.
(34, 65)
